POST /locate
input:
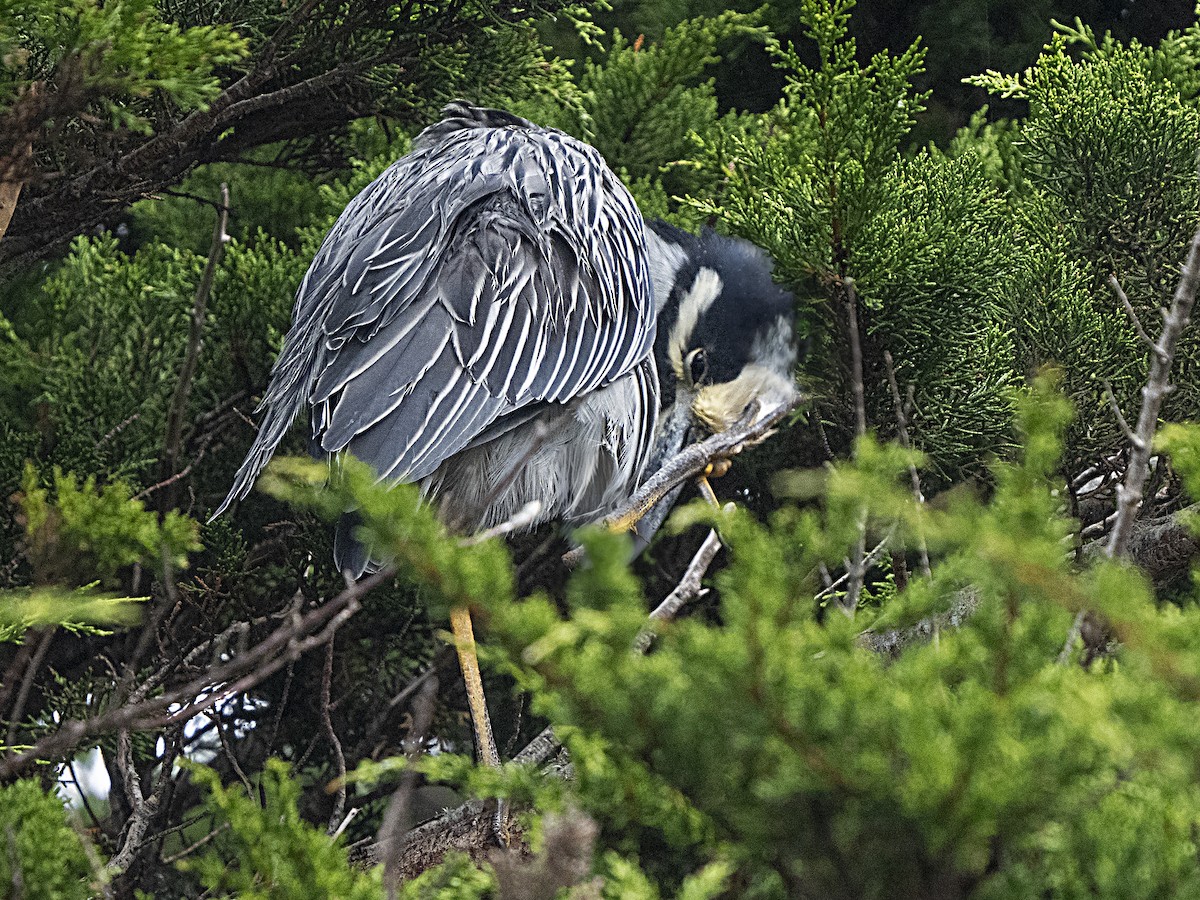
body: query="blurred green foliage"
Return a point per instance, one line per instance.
(44, 856)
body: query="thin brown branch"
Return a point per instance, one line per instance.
(35, 663)
(300, 634)
(1130, 311)
(913, 475)
(857, 387)
(339, 798)
(187, 372)
(1129, 493)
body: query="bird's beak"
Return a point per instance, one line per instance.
(685, 421)
(677, 427)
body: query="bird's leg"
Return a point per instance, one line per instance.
(714, 469)
(481, 723)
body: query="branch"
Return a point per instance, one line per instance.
(339, 804)
(471, 827)
(183, 387)
(688, 589)
(695, 458)
(1132, 313)
(143, 808)
(1121, 420)
(1129, 494)
(855, 566)
(913, 475)
(301, 634)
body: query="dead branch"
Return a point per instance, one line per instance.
(471, 828)
(35, 664)
(1129, 493)
(143, 807)
(1130, 311)
(339, 802)
(289, 641)
(396, 818)
(855, 565)
(902, 433)
(688, 589)
(183, 386)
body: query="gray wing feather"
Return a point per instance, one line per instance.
(497, 266)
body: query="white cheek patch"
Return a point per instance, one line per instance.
(700, 296)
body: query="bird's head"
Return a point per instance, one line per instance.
(726, 335)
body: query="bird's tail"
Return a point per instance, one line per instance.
(274, 426)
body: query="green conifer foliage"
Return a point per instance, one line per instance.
(975, 766)
(44, 858)
(1108, 187)
(927, 243)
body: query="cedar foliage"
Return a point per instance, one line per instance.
(762, 749)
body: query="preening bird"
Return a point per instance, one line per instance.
(493, 319)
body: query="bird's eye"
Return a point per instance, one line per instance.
(697, 362)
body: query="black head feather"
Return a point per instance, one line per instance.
(751, 320)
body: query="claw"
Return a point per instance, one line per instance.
(718, 467)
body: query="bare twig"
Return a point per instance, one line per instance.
(855, 565)
(1129, 494)
(1064, 655)
(143, 808)
(300, 634)
(201, 449)
(1133, 439)
(856, 357)
(545, 745)
(688, 589)
(1132, 313)
(396, 819)
(227, 748)
(345, 823)
(902, 433)
(192, 848)
(35, 663)
(524, 517)
(183, 387)
(339, 799)
(868, 561)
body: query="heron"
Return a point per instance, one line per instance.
(493, 319)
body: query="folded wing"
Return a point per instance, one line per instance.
(497, 266)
